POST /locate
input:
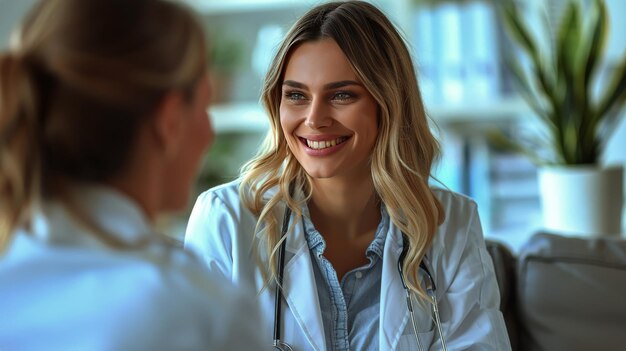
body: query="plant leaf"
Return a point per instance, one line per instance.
(523, 83)
(573, 100)
(614, 95)
(568, 38)
(518, 30)
(567, 46)
(541, 69)
(597, 41)
(590, 50)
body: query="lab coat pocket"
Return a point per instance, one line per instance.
(408, 342)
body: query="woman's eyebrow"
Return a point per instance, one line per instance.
(333, 85)
(294, 84)
(341, 84)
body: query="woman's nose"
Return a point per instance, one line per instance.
(318, 116)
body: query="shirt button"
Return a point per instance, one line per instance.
(358, 275)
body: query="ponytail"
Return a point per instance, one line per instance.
(76, 88)
(20, 137)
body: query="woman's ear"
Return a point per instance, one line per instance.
(168, 123)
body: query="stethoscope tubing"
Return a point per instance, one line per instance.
(281, 267)
(430, 288)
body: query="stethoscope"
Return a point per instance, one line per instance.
(430, 291)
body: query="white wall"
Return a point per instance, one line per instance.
(616, 148)
(615, 152)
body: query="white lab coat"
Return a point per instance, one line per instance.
(221, 230)
(60, 289)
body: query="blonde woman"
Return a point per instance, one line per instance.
(102, 125)
(334, 223)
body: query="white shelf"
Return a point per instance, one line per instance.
(242, 6)
(241, 117)
(497, 110)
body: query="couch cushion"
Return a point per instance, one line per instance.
(572, 293)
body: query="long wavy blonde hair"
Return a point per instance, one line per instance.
(405, 147)
(75, 87)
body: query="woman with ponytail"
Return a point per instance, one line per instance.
(334, 221)
(102, 125)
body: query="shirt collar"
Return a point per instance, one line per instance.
(317, 244)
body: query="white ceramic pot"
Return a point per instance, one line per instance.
(582, 200)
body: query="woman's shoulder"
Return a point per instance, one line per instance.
(461, 223)
(165, 280)
(173, 286)
(206, 306)
(218, 204)
(157, 284)
(459, 236)
(226, 192)
(173, 277)
(455, 204)
(219, 222)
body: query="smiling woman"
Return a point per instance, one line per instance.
(344, 230)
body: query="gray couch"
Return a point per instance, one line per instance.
(563, 293)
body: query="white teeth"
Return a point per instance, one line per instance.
(323, 144)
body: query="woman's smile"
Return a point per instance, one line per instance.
(323, 146)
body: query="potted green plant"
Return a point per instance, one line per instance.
(579, 195)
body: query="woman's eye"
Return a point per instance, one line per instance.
(342, 96)
(294, 96)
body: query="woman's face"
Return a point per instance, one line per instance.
(197, 135)
(328, 117)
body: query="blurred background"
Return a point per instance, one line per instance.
(458, 49)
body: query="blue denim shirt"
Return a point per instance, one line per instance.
(350, 309)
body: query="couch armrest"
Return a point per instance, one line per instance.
(571, 293)
(504, 263)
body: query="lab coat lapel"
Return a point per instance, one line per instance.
(301, 289)
(394, 314)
